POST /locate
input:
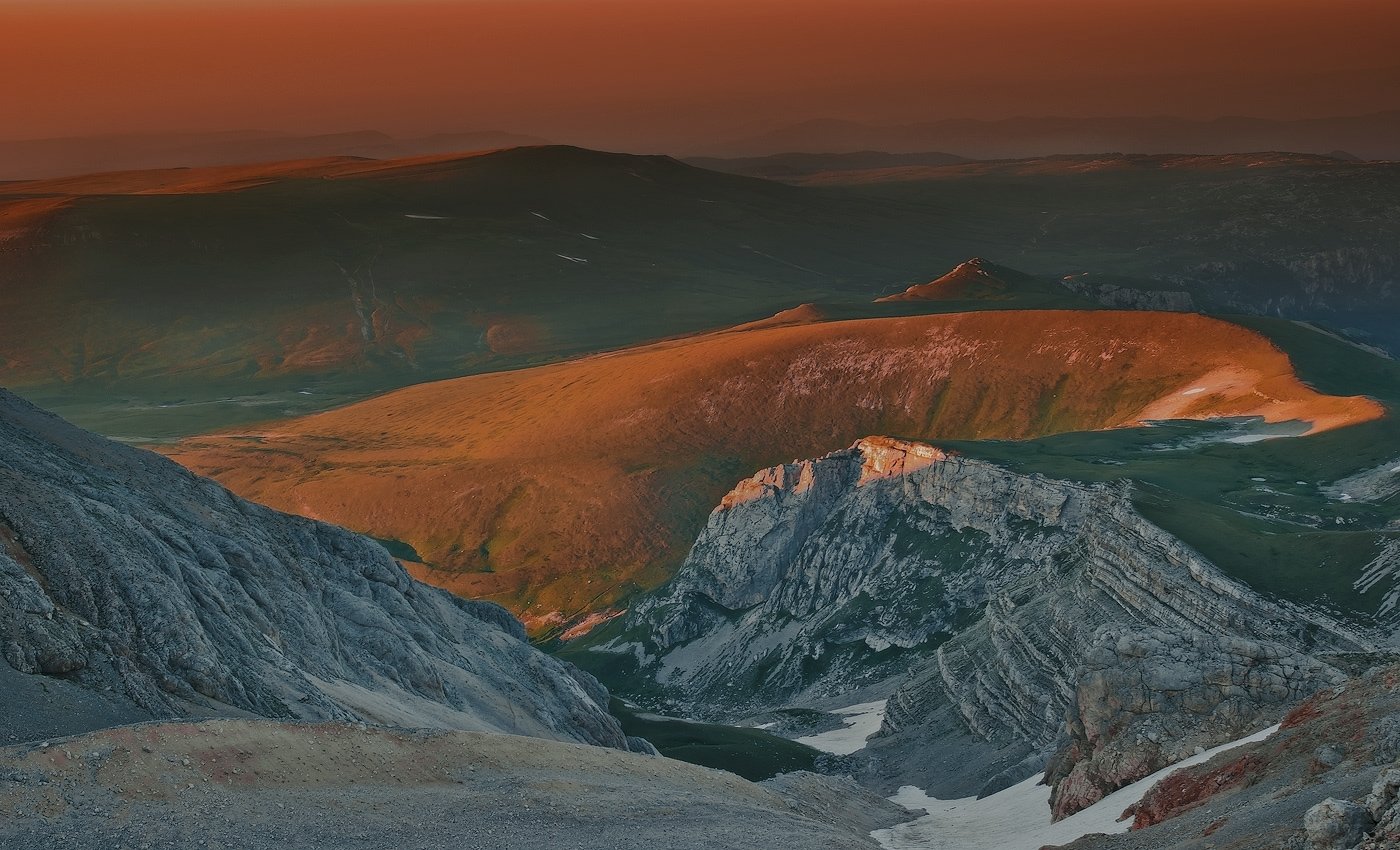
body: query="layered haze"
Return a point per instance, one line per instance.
(680, 76)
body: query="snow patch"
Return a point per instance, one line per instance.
(861, 721)
(1018, 818)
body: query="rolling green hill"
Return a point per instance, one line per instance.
(149, 305)
(1303, 237)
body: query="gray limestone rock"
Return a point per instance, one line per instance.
(1146, 698)
(122, 572)
(1131, 297)
(1384, 792)
(1336, 825)
(1018, 617)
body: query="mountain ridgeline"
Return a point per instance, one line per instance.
(178, 300)
(151, 304)
(1015, 622)
(561, 490)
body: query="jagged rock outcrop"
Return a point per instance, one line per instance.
(1119, 297)
(1123, 652)
(1331, 275)
(1383, 805)
(816, 576)
(1336, 825)
(1338, 745)
(1146, 698)
(1023, 615)
(124, 573)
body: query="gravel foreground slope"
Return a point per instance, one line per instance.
(262, 784)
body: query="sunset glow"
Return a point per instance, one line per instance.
(639, 73)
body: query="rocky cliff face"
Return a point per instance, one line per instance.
(1119, 297)
(1146, 698)
(128, 576)
(1304, 787)
(818, 575)
(1023, 616)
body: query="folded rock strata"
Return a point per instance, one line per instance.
(1010, 617)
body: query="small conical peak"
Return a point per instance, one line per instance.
(973, 278)
(802, 314)
(974, 266)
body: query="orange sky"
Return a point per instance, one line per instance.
(629, 73)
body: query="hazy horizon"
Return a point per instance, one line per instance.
(675, 75)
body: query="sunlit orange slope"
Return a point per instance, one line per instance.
(558, 489)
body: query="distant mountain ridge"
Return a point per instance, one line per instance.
(160, 303)
(784, 152)
(1373, 136)
(788, 166)
(33, 159)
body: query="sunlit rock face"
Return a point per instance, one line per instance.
(561, 490)
(128, 575)
(1008, 616)
(841, 562)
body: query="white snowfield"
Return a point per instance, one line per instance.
(862, 721)
(1018, 818)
